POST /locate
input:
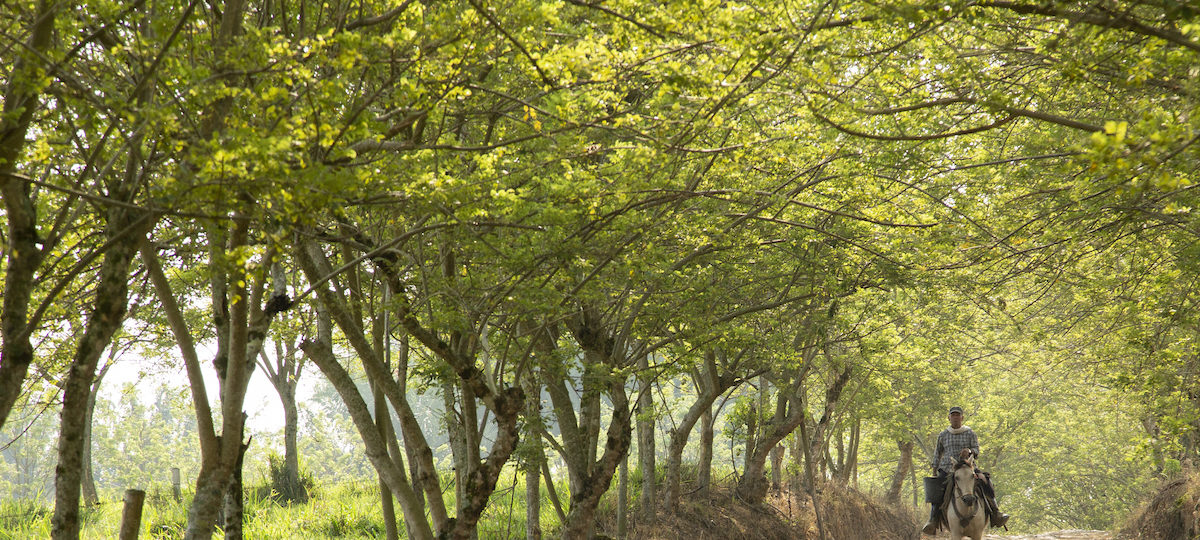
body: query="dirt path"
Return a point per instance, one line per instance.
(1057, 535)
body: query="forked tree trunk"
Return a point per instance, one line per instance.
(753, 485)
(582, 516)
(321, 353)
(601, 352)
(284, 374)
(710, 386)
(506, 404)
(817, 441)
(315, 265)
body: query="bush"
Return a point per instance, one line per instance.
(285, 488)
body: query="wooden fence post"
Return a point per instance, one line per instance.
(175, 485)
(131, 517)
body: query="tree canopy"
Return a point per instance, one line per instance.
(842, 216)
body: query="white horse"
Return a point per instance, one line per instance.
(965, 513)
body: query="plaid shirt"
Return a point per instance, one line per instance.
(950, 444)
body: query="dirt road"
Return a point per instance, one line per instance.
(1057, 535)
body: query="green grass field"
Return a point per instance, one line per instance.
(350, 510)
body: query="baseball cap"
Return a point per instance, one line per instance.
(956, 409)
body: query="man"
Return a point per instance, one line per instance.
(951, 441)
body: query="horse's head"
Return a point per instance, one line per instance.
(964, 476)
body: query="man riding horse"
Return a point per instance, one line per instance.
(950, 443)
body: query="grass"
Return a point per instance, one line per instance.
(350, 510)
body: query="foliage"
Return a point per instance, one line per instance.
(986, 203)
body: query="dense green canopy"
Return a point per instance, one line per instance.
(841, 216)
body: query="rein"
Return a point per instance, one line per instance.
(963, 518)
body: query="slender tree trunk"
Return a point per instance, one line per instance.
(552, 492)
(90, 495)
(852, 460)
(679, 438)
(383, 421)
(623, 498)
(572, 449)
(645, 436)
(902, 468)
(810, 474)
(533, 464)
(414, 445)
(453, 421)
(321, 353)
(107, 313)
(284, 374)
(777, 467)
(291, 450)
(589, 411)
(704, 473)
(315, 265)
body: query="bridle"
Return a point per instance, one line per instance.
(969, 500)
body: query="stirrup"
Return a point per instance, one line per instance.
(1000, 520)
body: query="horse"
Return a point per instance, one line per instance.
(965, 513)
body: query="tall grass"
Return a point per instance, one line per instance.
(348, 510)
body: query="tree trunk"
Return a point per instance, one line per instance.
(24, 255)
(709, 385)
(852, 458)
(315, 265)
(704, 472)
(572, 449)
(645, 436)
(107, 313)
(90, 495)
(235, 493)
(581, 518)
(623, 498)
(481, 482)
(533, 465)
(753, 485)
(291, 451)
(284, 374)
(453, 421)
(321, 353)
(810, 474)
(242, 327)
(902, 469)
(459, 355)
(818, 441)
(777, 467)
(383, 421)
